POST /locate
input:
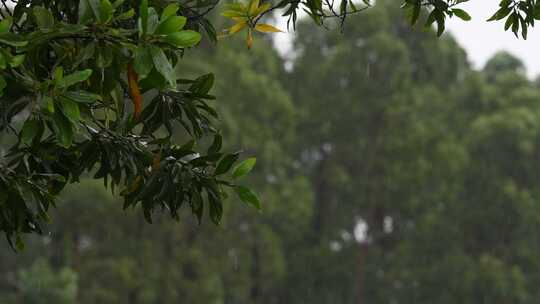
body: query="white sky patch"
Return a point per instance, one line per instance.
(361, 231)
(481, 39)
(388, 224)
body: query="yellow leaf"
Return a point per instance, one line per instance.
(249, 39)
(253, 6)
(231, 13)
(267, 28)
(263, 8)
(238, 6)
(238, 19)
(237, 27)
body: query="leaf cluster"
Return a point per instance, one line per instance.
(95, 91)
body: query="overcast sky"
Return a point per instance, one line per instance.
(480, 39)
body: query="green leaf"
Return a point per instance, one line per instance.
(430, 19)
(226, 163)
(85, 54)
(244, 167)
(184, 39)
(143, 62)
(463, 15)
(440, 18)
(30, 130)
(508, 23)
(216, 209)
(63, 128)
(247, 196)
(82, 96)
(253, 5)
(96, 9)
(143, 17)
(171, 25)
(3, 61)
(203, 84)
(188, 146)
(413, 11)
(48, 104)
(154, 80)
(216, 144)
(105, 11)
(197, 205)
(210, 30)
(524, 28)
(3, 85)
(74, 78)
(515, 24)
(105, 57)
(163, 65)
(85, 12)
(153, 20)
(58, 73)
(17, 60)
(70, 109)
(117, 3)
(170, 10)
(44, 17)
(5, 25)
(13, 39)
(501, 13)
(266, 6)
(126, 15)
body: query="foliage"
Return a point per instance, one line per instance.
(69, 71)
(96, 87)
(40, 284)
(519, 15)
(246, 16)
